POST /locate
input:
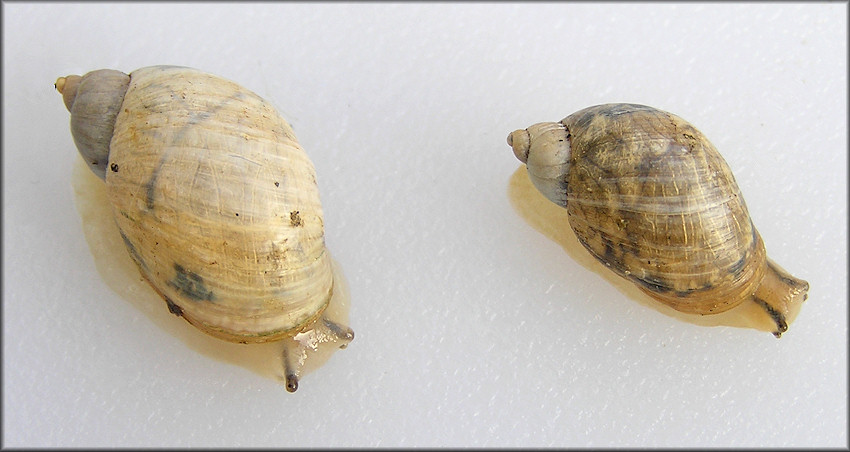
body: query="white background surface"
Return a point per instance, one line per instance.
(474, 326)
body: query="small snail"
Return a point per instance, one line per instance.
(651, 198)
(216, 202)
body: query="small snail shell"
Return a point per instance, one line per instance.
(651, 198)
(216, 201)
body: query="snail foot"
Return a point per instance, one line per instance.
(305, 345)
(294, 356)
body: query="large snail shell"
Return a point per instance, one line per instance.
(650, 197)
(217, 203)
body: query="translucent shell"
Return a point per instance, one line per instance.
(650, 197)
(218, 205)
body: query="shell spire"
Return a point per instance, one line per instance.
(94, 101)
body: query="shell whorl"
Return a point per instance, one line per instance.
(652, 198)
(218, 204)
(94, 101)
(545, 149)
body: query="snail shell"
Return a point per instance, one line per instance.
(216, 201)
(651, 198)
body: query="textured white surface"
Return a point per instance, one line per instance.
(474, 328)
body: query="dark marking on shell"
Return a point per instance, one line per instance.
(613, 257)
(609, 250)
(174, 308)
(114, 167)
(196, 117)
(133, 252)
(150, 186)
(190, 284)
(692, 141)
(651, 283)
(688, 292)
(295, 219)
(277, 184)
(778, 317)
(738, 266)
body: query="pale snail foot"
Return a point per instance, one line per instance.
(781, 296)
(296, 349)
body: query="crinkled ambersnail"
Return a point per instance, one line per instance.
(651, 198)
(216, 201)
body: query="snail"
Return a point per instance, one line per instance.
(651, 198)
(216, 202)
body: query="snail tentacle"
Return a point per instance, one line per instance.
(294, 355)
(340, 333)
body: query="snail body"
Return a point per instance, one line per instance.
(216, 202)
(649, 196)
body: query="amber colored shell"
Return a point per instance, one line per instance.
(218, 205)
(653, 199)
(650, 197)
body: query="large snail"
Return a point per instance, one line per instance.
(216, 202)
(651, 198)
